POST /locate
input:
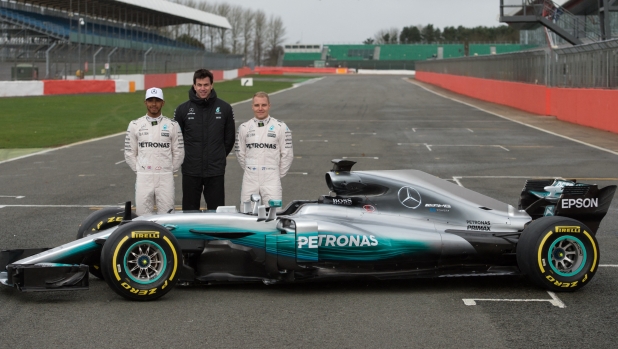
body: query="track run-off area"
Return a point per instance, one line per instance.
(382, 123)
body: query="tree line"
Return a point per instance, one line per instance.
(429, 34)
(254, 34)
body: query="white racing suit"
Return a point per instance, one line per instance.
(154, 149)
(265, 153)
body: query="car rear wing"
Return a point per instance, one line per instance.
(558, 197)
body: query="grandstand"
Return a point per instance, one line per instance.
(138, 36)
(302, 52)
(390, 56)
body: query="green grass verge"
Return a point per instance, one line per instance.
(52, 121)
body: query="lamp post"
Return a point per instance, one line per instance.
(80, 23)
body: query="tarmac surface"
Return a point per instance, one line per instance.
(382, 122)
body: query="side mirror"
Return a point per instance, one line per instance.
(272, 214)
(274, 203)
(257, 200)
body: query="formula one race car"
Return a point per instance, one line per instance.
(378, 224)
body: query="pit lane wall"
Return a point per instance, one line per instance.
(588, 107)
(120, 83)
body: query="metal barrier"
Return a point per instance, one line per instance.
(583, 66)
(61, 61)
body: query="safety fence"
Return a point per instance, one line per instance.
(583, 66)
(70, 61)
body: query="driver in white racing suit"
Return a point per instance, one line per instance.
(154, 149)
(264, 151)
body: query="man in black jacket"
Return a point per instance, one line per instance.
(208, 128)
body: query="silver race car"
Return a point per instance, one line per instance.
(373, 224)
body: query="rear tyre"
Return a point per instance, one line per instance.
(94, 223)
(558, 253)
(141, 261)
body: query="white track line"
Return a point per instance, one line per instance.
(64, 147)
(555, 301)
(360, 157)
(439, 128)
(456, 145)
(515, 121)
(456, 180)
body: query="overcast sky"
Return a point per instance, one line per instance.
(353, 21)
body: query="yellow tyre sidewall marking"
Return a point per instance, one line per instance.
(175, 257)
(116, 254)
(594, 248)
(540, 251)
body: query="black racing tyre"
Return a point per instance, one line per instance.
(141, 261)
(558, 253)
(95, 222)
(100, 220)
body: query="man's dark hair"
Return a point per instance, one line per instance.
(202, 74)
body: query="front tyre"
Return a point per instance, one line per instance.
(558, 253)
(98, 221)
(141, 261)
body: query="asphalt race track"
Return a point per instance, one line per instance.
(380, 122)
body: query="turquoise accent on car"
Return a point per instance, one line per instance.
(286, 246)
(540, 194)
(307, 244)
(254, 240)
(126, 267)
(78, 250)
(381, 251)
(271, 243)
(551, 250)
(275, 203)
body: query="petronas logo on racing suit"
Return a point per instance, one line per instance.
(261, 145)
(153, 145)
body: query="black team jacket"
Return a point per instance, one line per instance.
(209, 133)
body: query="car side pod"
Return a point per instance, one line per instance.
(48, 277)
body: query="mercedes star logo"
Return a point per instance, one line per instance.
(409, 197)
